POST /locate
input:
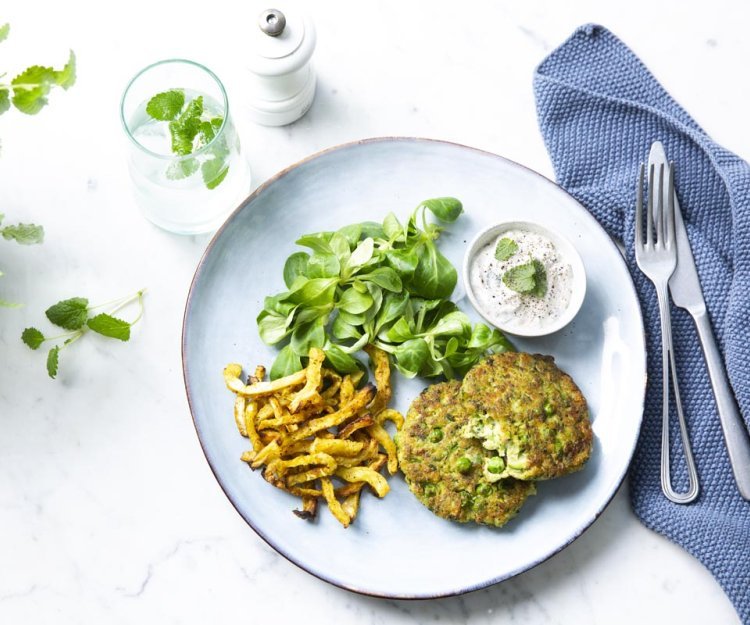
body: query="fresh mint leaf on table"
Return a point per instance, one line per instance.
(386, 285)
(190, 129)
(505, 249)
(527, 279)
(74, 314)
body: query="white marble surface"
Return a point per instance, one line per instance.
(108, 510)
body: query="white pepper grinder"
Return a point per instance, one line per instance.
(282, 81)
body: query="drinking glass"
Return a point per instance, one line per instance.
(184, 153)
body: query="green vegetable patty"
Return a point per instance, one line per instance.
(530, 413)
(448, 471)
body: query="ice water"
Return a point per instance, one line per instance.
(184, 203)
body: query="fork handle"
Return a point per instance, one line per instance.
(668, 364)
(732, 425)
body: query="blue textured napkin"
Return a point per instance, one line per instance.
(599, 111)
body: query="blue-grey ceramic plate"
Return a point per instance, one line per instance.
(396, 547)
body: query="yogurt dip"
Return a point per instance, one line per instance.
(507, 308)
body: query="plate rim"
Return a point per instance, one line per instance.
(585, 525)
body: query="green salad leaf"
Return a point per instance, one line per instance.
(386, 285)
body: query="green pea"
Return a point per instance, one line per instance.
(430, 490)
(495, 465)
(484, 489)
(549, 409)
(463, 465)
(436, 435)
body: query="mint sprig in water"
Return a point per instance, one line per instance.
(75, 315)
(191, 129)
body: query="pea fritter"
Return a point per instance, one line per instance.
(529, 413)
(449, 472)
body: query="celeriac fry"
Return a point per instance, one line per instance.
(313, 382)
(314, 426)
(239, 414)
(360, 422)
(350, 504)
(251, 409)
(309, 508)
(260, 373)
(360, 400)
(232, 373)
(365, 474)
(334, 447)
(386, 442)
(308, 459)
(268, 388)
(394, 416)
(309, 476)
(382, 372)
(333, 504)
(347, 389)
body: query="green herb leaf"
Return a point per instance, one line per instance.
(214, 171)
(529, 278)
(4, 30)
(540, 278)
(384, 277)
(110, 326)
(316, 242)
(323, 266)
(352, 234)
(361, 254)
(343, 330)
(445, 209)
(294, 267)
(32, 86)
(505, 249)
(341, 361)
(392, 227)
(354, 302)
(66, 77)
(434, 277)
(25, 234)
(412, 357)
(70, 314)
(183, 168)
(272, 328)
(185, 128)
(32, 337)
(4, 99)
(309, 335)
(53, 359)
(167, 105)
(286, 363)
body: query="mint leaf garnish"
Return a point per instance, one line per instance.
(540, 278)
(32, 337)
(505, 249)
(66, 77)
(110, 326)
(32, 86)
(70, 314)
(529, 278)
(73, 314)
(182, 168)
(214, 171)
(166, 106)
(185, 128)
(25, 234)
(53, 360)
(4, 99)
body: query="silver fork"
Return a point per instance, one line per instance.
(656, 255)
